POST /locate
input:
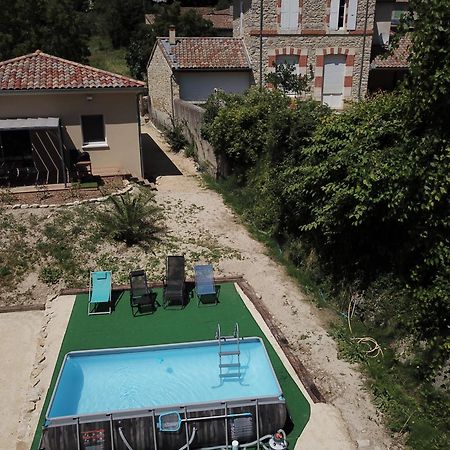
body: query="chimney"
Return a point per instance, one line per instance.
(172, 35)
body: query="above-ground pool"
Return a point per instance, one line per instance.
(161, 397)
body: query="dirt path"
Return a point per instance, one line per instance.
(303, 324)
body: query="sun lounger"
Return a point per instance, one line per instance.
(141, 296)
(99, 292)
(174, 282)
(204, 285)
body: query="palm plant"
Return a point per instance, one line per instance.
(133, 219)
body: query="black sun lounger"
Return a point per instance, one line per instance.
(174, 282)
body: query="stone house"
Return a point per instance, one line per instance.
(191, 68)
(52, 110)
(330, 40)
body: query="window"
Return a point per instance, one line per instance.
(333, 80)
(289, 14)
(343, 14)
(93, 129)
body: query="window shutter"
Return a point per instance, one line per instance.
(333, 74)
(284, 14)
(351, 20)
(289, 14)
(334, 14)
(294, 10)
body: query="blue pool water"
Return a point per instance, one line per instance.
(103, 381)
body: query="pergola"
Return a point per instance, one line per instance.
(38, 124)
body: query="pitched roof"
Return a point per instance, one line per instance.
(39, 70)
(206, 53)
(397, 59)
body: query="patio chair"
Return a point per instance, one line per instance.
(204, 285)
(99, 292)
(174, 282)
(141, 295)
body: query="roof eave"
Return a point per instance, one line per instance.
(136, 89)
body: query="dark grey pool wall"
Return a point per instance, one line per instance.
(140, 431)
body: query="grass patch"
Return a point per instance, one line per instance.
(411, 407)
(104, 56)
(122, 329)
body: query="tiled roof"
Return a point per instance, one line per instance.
(206, 53)
(397, 59)
(41, 71)
(221, 19)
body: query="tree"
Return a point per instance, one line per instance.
(56, 27)
(427, 23)
(285, 79)
(119, 19)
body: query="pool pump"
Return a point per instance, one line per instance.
(278, 441)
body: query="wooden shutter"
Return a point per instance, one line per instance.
(334, 14)
(294, 10)
(333, 74)
(285, 7)
(289, 14)
(351, 16)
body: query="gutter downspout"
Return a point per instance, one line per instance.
(366, 18)
(140, 135)
(172, 80)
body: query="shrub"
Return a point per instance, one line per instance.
(133, 219)
(174, 135)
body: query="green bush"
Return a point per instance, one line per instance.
(174, 135)
(132, 219)
(50, 274)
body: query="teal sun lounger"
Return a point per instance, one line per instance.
(99, 292)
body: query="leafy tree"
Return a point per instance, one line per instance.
(285, 79)
(428, 25)
(139, 50)
(119, 19)
(56, 27)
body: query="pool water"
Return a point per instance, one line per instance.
(151, 377)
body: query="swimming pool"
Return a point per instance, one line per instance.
(147, 392)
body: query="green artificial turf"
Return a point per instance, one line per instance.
(122, 329)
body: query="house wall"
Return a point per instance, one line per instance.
(162, 88)
(311, 41)
(119, 110)
(198, 86)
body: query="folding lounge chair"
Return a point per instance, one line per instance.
(99, 292)
(174, 282)
(204, 284)
(141, 295)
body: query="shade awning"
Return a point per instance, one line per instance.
(31, 123)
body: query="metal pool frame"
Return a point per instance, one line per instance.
(229, 407)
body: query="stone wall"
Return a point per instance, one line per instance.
(312, 38)
(190, 116)
(162, 88)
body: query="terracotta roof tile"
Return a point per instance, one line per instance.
(206, 53)
(397, 59)
(41, 71)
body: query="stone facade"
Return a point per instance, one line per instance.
(311, 41)
(163, 88)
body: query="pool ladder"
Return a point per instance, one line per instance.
(234, 338)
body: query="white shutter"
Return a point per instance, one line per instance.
(294, 10)
(284, 14)
(289, 14)
(333, 74)
(334, 14)
(351, 19)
